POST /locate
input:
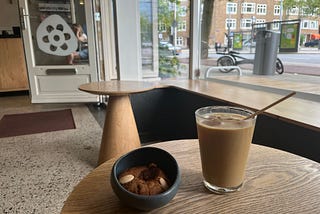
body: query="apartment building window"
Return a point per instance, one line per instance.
(248, 8)
(180, 41)
(182, 26)
(246, 23)
(294, 11)
(310, 24)
(162, 27)
(261, 9)
(260, 23)
(182, 11)
(276, 26)
(231, 8)
(232, 23)
(276, 10)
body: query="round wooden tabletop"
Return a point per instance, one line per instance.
(117, 88)
(276, 182)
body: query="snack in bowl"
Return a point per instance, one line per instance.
(146, 178)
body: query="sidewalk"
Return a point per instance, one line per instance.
(308, 50)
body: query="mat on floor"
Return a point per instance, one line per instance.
(36, 122)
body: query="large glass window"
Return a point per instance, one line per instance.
(164, 34)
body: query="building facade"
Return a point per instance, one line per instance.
(238, 16)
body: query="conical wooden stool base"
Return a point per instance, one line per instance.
(120, 134)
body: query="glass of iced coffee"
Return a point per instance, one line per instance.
(224, 140)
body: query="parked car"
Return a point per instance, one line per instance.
(166, 45)
(312, 43)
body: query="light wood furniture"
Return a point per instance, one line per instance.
(295, 110)
(13, 72)
(276, 182)
(120, 133)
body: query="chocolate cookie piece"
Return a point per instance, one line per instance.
(144, 180)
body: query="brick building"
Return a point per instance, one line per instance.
(241, 14)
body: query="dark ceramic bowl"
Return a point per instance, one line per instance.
(142, 157)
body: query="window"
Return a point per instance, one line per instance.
(182, 11)
(261, 9)
(310, 24)
(276, 26)
(248, 8)
(294, 11)
(260, 21)
(162, 27)
(276, 10)
(313, 24)
(232, 23)
(246, 23)
(231, 8)
(180, 41)
(182, 26)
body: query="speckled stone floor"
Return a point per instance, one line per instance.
(38, 171)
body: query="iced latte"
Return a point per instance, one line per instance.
(224, 140)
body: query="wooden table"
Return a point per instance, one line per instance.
(120, 133)
(276, 182)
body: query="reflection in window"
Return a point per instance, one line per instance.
(146, 33)
(182, 26)
(164, 31)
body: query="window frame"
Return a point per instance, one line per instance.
(233, 25)
(276, 9)
(262, 9)
(246, 5)
(244, 22)
(182, 26)
(231, 8)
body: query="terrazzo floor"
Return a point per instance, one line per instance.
(38, 171)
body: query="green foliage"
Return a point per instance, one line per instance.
(306, 7)
(168, 66)
(302, 38)
(165, 14)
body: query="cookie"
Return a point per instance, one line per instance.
(144, 180)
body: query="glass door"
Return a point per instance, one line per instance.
(60, 49)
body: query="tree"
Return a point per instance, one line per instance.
(206, 27)
(306, 7)
(166, 14)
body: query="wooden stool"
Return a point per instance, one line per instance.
(120, 133)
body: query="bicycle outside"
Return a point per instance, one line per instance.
(233, 58)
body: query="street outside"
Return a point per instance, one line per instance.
(306, 61)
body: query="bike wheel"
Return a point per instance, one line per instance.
(279, 66)
(225, 61)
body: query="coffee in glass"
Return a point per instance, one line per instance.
(224, 140)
